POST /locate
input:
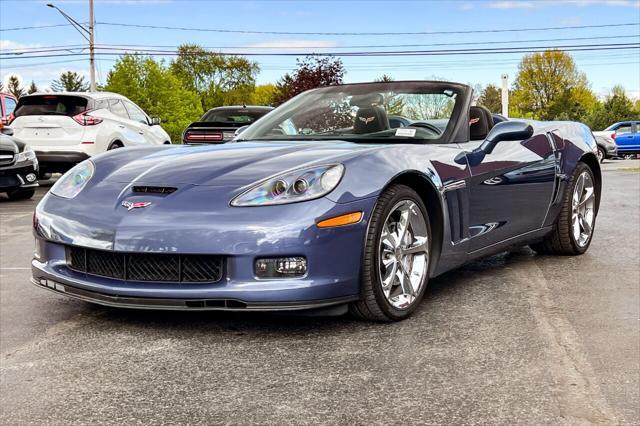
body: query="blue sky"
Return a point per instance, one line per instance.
(603, 68)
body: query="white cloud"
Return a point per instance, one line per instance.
(512, 4)
(14, 45)
(528, 4)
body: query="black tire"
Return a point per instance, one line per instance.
(601, 154)
(115, 145)
(561, 240)
(373, 305)
(23, 194)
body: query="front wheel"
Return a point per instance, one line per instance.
(573, 230)
(396, 257)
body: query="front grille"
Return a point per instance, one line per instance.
(6, 157)
(157, 267)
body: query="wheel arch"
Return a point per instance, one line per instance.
(116, 141)
(592, 162)
(426, 190)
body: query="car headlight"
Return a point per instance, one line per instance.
(298, 185)
(26, 155)
(72, 182)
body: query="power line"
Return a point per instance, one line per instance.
(447, 52)
(126, 47)
(36, 27)
(387, 33)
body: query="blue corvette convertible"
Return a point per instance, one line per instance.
(320, 203)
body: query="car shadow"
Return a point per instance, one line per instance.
(245, 322)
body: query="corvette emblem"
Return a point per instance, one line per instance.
(130, 205)
(366, 120)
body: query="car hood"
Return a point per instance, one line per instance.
(220, 165)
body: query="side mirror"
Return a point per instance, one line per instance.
(240, 130)
(506, 131)
(155, 121)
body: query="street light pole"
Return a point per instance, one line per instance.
(92, 60)
(88, 35)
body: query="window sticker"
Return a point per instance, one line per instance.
(409, 133)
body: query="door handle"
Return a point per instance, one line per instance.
(141, 132)
(121, 126)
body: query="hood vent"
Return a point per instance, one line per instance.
(155, 189)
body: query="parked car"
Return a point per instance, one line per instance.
(627, 137)
(7, 106)
(607, 147)
(317, 205)
(220, 125)
(18, 166)
(67, 128)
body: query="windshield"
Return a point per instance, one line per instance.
(51, 105)
(382, 112)
(240, 116)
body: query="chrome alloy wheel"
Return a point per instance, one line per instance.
(582, 212)
(403, 254)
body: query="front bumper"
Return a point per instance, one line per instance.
(333, 258)
(17, 176)
(59, 161)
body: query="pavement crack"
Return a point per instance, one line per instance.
(579, 397)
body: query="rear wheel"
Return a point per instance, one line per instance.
(396, 257)
(115, 145)
(573, 230)
(601, 154)
(23, 194)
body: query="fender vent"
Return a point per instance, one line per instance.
(155, 189)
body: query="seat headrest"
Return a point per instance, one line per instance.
(370, 120)
(480, 122)
(366, 100)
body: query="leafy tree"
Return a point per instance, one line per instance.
(617, 107)
(549, 86)
(217, 79)
(70, 82)
(312, 72)
(32, 87)
(157, 91)
(491, 98)
(263, 94)
(13, 86)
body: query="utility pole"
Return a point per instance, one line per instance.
(88, 35)
(505, 95)
(92, 60)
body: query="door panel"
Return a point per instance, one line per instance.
(510, 189)
(628, 138)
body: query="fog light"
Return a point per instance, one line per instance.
(31, 177)
(282, 267)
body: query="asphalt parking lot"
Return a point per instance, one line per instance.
(516, 338)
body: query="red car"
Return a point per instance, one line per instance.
(8, 103)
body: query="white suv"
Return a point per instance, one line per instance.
(68, 127)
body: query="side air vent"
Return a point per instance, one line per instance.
(155, 189)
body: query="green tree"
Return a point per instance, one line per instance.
(549, 86)
(32, 87)
(70, 82)
(14, 86)
(616, 107)
(157, 91)
(263, 94)
(217, 79)
(491, 98)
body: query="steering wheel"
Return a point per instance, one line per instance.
(427, 126)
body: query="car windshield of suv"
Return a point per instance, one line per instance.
(50, 105)
(240, 116)
(360, 113)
